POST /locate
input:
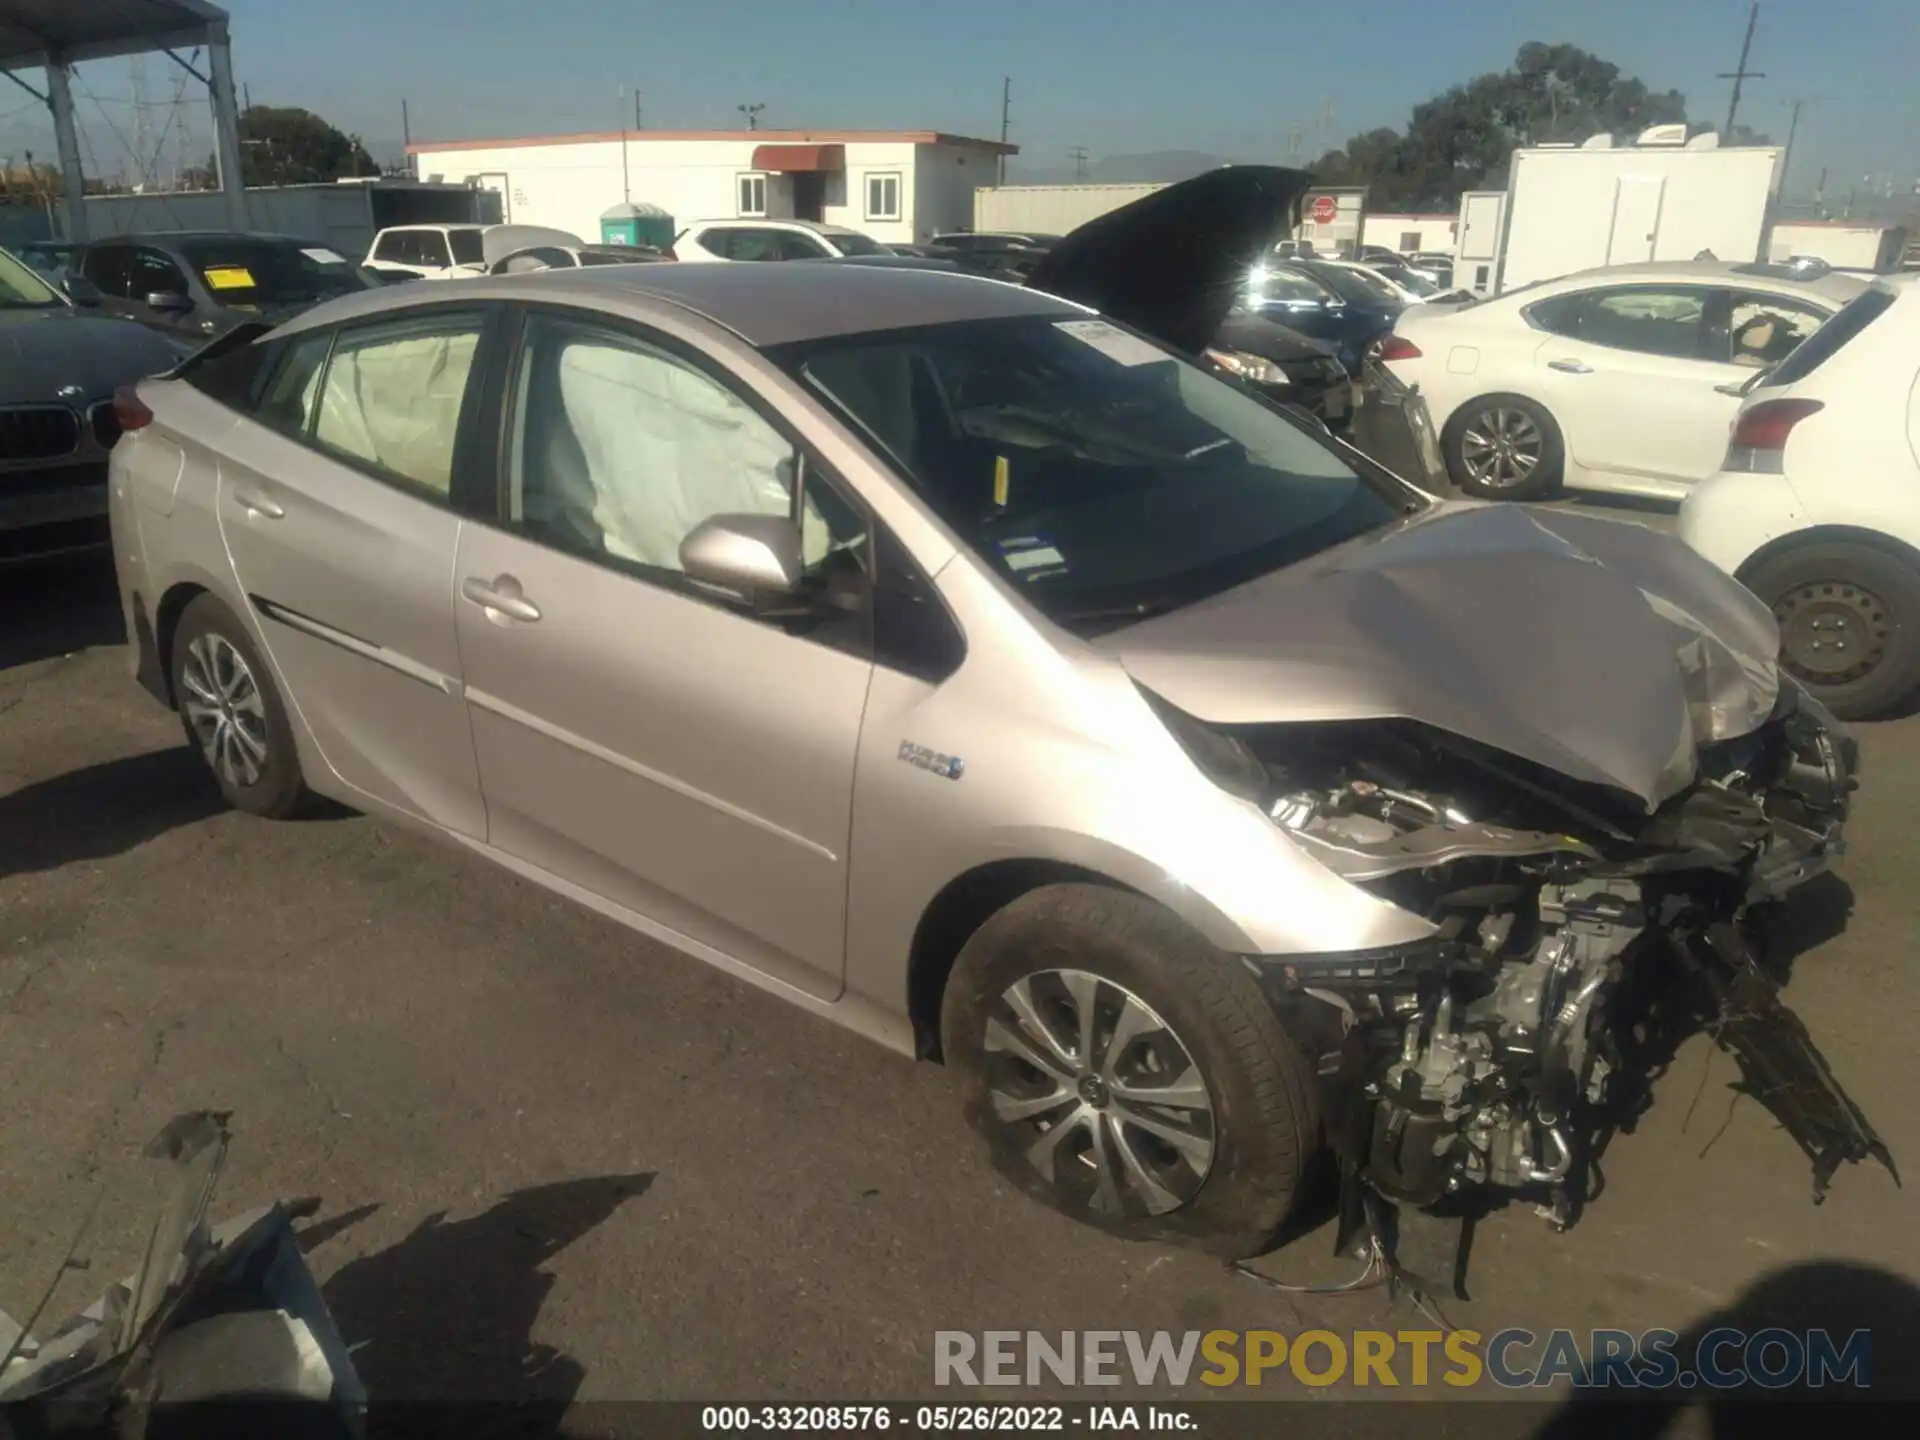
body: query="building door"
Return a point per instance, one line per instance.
(810, 195)
(496, 181)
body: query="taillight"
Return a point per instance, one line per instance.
(130, 410)
(1398, 347)
(1760, 435)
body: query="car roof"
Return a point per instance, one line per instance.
(1835, 287)
(160, 238)
(763, 304)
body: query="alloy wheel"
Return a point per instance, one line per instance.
(225, 709)
(1098, 1093)
(1502, 447)
(1832, 632)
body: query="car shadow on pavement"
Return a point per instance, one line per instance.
(102, 810)
(55, 607)
(1839, 1298)
(444, 1318)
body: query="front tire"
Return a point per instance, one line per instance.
(1503, 447)
(1849, 617)
(233, 715)
(1127, 1073)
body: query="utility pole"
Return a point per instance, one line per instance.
(1740, 72)
(1006, 111)
(1786, 158)
(636, 109)
(626, 188)
(752, 112)
(1078, 154)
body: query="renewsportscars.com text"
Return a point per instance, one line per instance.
(1512, 1359)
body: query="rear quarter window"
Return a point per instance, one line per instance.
(1832, 337)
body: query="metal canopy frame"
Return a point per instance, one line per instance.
(56, 35)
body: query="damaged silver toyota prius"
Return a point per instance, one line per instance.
(969, 665)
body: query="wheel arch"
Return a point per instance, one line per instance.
(166, 620)
(1458, 414)
(1816, 534)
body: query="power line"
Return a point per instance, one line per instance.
(1078, 154)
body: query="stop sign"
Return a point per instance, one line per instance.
(1324, 209)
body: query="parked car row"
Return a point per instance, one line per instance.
(1774, 401)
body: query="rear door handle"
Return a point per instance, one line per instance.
(258, 505)
(502, 596)
(1570, 367)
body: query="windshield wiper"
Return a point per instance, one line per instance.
(1119, 614)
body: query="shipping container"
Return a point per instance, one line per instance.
(1843, 244)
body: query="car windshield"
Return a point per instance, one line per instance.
(1100, 475)
(21, 289)
(851, 242)
(467, 246)
(244, 272)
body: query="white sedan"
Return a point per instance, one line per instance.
(1817, 506)
(1623, 379)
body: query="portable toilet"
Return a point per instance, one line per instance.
(637, 224)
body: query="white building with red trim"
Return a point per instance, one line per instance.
(895, 185)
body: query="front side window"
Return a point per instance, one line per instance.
(748, 245)
(797, 245)
(468, 248)
(1762, 330)
(1100, 475)
(621, 450)
(753, 195)
(1291, 287)
(392, 394)
(852, 242)
(154, 274)
(883, 197)
(395, 247)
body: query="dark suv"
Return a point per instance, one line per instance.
(202, 283)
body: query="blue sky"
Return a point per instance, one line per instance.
(1117, 76)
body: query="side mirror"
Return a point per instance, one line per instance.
(168, 301)
(83, 291)
(751, 553)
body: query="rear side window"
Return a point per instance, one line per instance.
(287, 403)
(1827, 341)
(392, 395)
(234, 378)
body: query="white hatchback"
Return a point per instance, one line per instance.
(1622, 379)
(1817, 504)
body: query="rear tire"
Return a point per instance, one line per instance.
(1503, 447)
(1217, 1159)
(233, 715)
(1849, 616)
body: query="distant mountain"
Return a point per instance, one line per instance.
(1157, 167)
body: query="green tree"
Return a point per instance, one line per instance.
(1463, 138)
(285, 145)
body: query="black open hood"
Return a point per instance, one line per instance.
(1173, 263)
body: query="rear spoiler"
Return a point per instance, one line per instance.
(243, 334)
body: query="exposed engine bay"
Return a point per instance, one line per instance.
(1575, 931)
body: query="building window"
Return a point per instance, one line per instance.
(753, 194)
(883, 196)
(1409, 241)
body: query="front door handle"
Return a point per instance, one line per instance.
(258, 505)
(501, 595)
(1570, 367)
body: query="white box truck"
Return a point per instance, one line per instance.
(1048, 209)
(1662, 198)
